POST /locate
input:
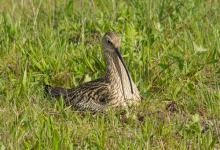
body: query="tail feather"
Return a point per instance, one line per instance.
(55, 91)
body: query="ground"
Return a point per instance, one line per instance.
(172, 49)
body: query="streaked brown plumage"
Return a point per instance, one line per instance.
(116, 88)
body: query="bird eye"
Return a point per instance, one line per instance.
(109, 42)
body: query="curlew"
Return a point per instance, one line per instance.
(115, 88)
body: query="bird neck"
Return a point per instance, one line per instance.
(113, 68)
(117, 76)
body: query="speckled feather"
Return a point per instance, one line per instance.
(116, 88)
(94, 95)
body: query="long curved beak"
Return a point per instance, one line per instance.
(124, 65)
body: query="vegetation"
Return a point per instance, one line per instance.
(172, 49)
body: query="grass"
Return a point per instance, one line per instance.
(172, 49)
